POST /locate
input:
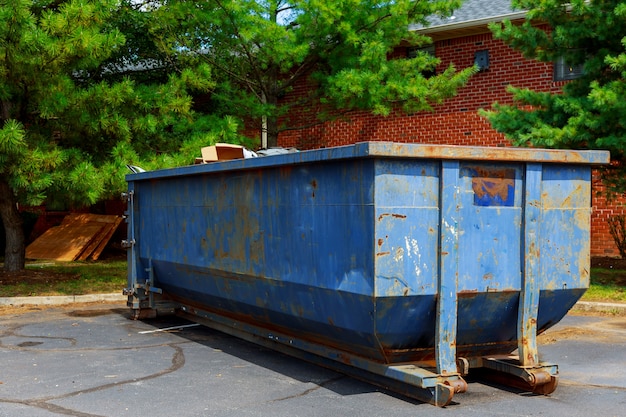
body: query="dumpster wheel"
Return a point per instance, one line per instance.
(547, 387)
(543, 384)
(538, 382)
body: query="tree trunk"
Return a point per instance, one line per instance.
(15, 252)
(272, 131)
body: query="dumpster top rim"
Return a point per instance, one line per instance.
(393, 150)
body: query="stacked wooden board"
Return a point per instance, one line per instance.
(80, 236)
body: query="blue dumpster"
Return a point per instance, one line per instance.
(405, 264)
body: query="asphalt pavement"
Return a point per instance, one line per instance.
(92, 360)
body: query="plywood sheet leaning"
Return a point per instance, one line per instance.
(79, 236)
(99, 243)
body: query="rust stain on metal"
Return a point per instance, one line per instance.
(493, 182)
(344, 358)
(397, 216)
(582, 218)
(382, 253)
(380, 242)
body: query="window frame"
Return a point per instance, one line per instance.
(562, 71)
(412, 51)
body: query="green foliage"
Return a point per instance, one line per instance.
(41, 45)
(84, 90)
(259, 50)
(191, 136)
(590, 113)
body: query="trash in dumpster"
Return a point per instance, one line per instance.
(407, 265)
(224, 152)
(276, 151)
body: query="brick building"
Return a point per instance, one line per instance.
(462, 39)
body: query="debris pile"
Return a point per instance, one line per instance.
(227, 151)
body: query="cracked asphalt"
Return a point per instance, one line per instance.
(91, 360)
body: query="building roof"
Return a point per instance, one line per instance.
(472, 14)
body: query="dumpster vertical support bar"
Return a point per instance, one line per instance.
(446, 322)
(130, 243)
(529, 294)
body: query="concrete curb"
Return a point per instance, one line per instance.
(62, 300)
(613, 308)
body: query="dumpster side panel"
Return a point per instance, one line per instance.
(489, 218)
(490, 228)
(407, 232)
(564, 240)
(406, 254)
(565, 229)
(290, 246)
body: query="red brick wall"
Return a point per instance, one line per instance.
(602, 243)
(454, 122)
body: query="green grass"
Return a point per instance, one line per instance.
(607, 285)
(82, 278)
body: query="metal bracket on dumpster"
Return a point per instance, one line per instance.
(128, 196)
(147, 286)
(409, 379)
(140, 294)
(134, 301)
(542, 378)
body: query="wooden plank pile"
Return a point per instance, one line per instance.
(80, 236)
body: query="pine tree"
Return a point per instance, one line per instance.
(259, 50)
(590, 112)
(70, 118)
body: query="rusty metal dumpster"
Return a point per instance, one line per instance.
(405, 264)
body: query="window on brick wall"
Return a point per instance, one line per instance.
(413, 51)
(564, 71)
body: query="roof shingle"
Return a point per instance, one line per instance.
(475, 10)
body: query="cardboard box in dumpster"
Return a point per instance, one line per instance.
(221, 152)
